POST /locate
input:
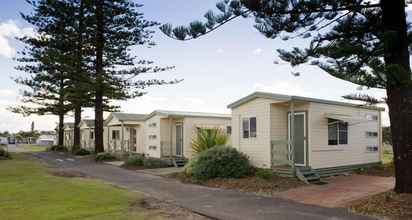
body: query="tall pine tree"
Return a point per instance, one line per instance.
(45, 61)
(118, 26)
(360, 41)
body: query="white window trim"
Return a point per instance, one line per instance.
(337, 134)
(249, 130)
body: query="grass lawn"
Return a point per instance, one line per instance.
(32, 147)
(28, 191)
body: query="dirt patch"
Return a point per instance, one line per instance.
(67, 173)
(166, 210)
(251, 184)
(384, 170)
(388, 204)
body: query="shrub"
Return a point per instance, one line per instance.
(208, 138)
(189, 166)
(221, 161)
(58, 148)
(4, 155)
(82, 152)
(152, 163)
(105, 156)
(265, 174)
(134, 160)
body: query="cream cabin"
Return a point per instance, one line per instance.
(169, 133)
(287, 132)
(124, 132)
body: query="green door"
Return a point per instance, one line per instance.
(299, 133)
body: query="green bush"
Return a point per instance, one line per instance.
(134, 160)
(58, 148)
(265, 174)
(208, 138)
(221, 161)
(189, 166)
(82, 152)
(105, 156)
(4, 155)
(152, 163)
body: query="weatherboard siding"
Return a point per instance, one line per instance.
(190, 125)
(258, 148)
(149, 143)
(323, 155)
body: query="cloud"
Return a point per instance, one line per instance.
(220, 50)
(8, 31)
(257, 51)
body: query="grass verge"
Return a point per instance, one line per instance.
(28, 191)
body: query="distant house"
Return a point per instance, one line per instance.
(280, 131)
(169, 133)
(4, 140)
(47, 139)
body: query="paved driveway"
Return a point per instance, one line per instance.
(340, 191)
(211, 202)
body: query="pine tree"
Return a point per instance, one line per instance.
(118, 26)
(50, 57)
(360, 41)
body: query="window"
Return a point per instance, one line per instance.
(153, 124)
(249, 127)
(152, 147)
(372, 148)
(371, 134)
(91, 135)
(337, 132)
(152, 137)
(115, 135)
(252, 122)
(371, 117)
(229, 130)
(245, 126)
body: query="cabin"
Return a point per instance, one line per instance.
(296, 135)
(68, 135)
(124, 132)
(169, 133)
(87, 134)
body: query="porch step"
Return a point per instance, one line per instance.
(284, 171)
(307, 175)
(179, 162)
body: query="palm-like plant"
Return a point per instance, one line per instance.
(208, 138)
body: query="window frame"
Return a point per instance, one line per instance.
(115, 135)
(339, 131)
(249, 133)
(229, 130)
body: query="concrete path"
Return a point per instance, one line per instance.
(211, 202)
(340, 191)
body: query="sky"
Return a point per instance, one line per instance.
(217, 69)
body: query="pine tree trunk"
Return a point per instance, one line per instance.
(61, 130)
(78, 102)
(77, 120)
(99, 77)
(400, 109)
(399, 90)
